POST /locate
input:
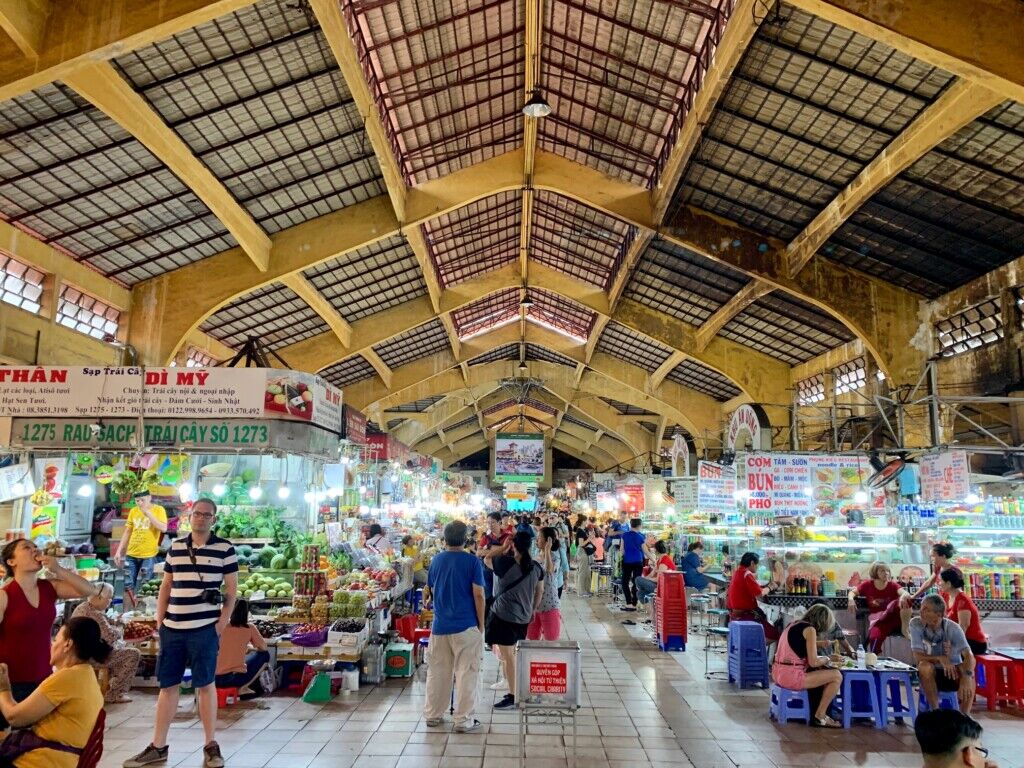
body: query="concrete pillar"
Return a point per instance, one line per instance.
(549, 463)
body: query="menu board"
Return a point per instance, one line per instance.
(716, 488)
(15, 482)
(945, 476)
(185, 393)
(777, 483)
(685, 494)
(800, 484)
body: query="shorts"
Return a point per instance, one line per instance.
(945, 684)
(501, 632)
(195, 649)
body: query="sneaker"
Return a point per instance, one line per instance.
(434, 722)
(629, 607)
(508, 700)
(468, 726)
(501, 685)
(629, 623)
(211, 756)
(149, 756)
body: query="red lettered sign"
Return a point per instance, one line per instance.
(549, 677)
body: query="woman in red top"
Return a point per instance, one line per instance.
(28, 606)
(648, 585)
(743, 594)
(961, 609)
(886, 601)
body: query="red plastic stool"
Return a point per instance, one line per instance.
(997, 681)
(226, 696)
(406, 627)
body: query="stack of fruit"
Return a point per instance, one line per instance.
(271, 587)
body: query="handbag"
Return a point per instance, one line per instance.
(22, 740)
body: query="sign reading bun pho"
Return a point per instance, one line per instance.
(748, 429)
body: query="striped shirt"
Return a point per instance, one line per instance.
(187, 608)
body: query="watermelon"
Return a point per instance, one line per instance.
(278, 562)
(243, 550)
(267, 554)
(293, 564)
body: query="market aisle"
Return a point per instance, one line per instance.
(642, 708)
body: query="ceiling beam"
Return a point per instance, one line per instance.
(332, 23)
(979, 41)
(740, 30)
(24, 21)
(666, 368)
(105, 89)
(746, 296)
(424, 257)
(87, 31)
(882, 314)
(379, 366)
(961, 103)
(595, 336)
(629, 261)
(453, 336)
(306, 291)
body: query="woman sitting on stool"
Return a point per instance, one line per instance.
(799, 667)
(236, 668)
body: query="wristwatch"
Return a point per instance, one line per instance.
(968, 673)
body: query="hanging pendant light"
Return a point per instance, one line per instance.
(537, 106)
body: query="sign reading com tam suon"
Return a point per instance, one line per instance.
(192, 393)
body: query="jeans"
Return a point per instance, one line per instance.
(630, 571)
(645, 588)
(136, 570)
(254, 663)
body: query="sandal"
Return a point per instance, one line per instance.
(825, 722)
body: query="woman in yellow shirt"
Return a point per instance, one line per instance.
(410, 550)
(56, 721)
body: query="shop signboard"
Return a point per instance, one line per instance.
(519, 457)
(802, 484)
(945, 476)
(204, 435)
(777, 483)
(748, 429)
(353, 425)
(386, 448)
(680, 455)
(193, 393)
(518, 491)
(716, 488)
(631, 497)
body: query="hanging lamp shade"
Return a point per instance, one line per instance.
(537, 106)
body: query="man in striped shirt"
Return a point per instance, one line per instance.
(191, 613)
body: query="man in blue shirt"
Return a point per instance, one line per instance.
(634, 547)
(455, 586)
(944, 658)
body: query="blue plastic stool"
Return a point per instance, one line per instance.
(866, 706)
(786, 704)
(672, 643)
(891, 699)
(947, 700)
(748, 658)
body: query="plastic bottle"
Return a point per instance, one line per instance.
(861, 657)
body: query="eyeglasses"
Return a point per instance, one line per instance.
(984, 752)
(206, 515)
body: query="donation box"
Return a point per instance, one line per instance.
(549, 675)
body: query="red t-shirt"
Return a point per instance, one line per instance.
(668, 562)
(743, 591)
(963, 603)
(877, 598)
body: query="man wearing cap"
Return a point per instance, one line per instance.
(140, 543)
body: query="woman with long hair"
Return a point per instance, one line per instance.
(55, 721)
(28, 607)
(942, 558)
(547, 619)
(961, 609)
(237, 667)
(518, 590)
(124, 659)
(798, 666)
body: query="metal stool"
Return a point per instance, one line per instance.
(718, 633)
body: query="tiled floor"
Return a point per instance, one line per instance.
(642, 708)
